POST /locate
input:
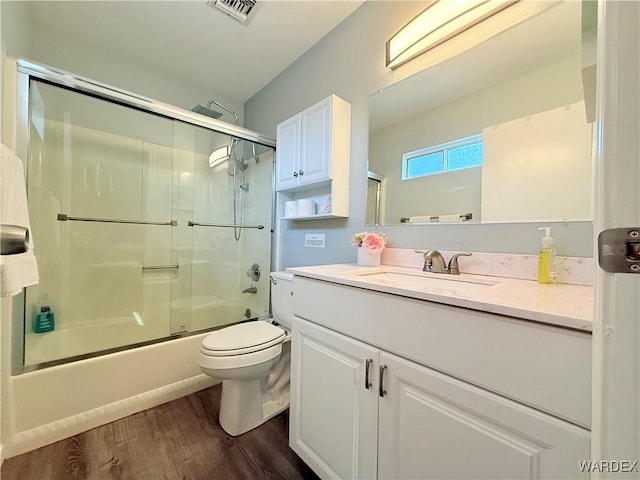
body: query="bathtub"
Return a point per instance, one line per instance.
(205, 313)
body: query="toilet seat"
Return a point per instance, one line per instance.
(242, 339)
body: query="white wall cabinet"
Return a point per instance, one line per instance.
(414, 421)
(313, 157)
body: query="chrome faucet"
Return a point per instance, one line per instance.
(434, 262)
(250, 289)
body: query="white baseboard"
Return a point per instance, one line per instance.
(38, 437)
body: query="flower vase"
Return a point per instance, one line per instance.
(368, 258)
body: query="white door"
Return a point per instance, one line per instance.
(616, 359)
(288, 153)
(333, 416)
(433, 426)
(315, 157)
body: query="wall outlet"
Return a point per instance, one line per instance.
(314, 240)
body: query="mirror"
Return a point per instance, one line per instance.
(521, 92)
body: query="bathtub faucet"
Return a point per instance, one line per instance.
(250, 289)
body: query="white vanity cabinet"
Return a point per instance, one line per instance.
(313, 154)
(432, 426)
(414, 421)
(332, 409)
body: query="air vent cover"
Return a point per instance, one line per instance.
(238, 9)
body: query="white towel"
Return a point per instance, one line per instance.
(419, 219)
(450, 218)
(16, 271)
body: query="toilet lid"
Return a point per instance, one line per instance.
(242, 338)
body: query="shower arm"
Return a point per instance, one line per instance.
(225, 108)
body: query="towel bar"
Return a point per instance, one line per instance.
(223, 225)
(435, 219)
(62, 217)
(160, 267)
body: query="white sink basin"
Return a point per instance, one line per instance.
(425, 280)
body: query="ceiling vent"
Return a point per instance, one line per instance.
(238, 9)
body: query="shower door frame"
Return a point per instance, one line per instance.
(27, 70)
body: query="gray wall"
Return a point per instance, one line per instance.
(15, 39)
(350, 62)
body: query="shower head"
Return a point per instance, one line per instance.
(202, 110)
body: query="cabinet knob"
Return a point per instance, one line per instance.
(295, 174)
(301, 172)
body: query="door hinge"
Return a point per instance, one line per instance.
(619, 250)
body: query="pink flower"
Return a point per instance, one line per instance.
(373, 242)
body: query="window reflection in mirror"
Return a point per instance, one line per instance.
(522, 93)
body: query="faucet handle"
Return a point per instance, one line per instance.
(453, 267)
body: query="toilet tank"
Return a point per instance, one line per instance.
(282, 298)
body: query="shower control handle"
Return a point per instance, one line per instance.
(254, 272)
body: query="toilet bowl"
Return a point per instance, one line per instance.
(253, 361)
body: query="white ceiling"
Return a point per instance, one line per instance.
(193, 40)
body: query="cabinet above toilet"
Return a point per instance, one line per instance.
(313, 160)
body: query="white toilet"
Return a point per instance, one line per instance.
(253, 361)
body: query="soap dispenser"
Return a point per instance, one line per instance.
(44, 321)
(546, 258)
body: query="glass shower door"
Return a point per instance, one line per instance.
(100, 197)
(230, 225)
(145, 227)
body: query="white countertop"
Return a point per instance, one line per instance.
(564, 305)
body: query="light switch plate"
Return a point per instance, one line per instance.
(314, 240)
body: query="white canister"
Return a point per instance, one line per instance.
(306, 207)
(368, 258)
(290, 208)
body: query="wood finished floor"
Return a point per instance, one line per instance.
(180, 440)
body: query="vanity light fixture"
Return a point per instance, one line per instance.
(440, 21)
(219, 156)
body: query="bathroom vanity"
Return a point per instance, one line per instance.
(398, 374)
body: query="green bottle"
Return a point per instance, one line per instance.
(44, 321)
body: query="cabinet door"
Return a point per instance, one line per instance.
(315, 147)
(333, 416)
(288, 153)
(434, 426)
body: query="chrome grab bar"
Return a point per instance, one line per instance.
(223, 225)
(62, 217)
(160, 267)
